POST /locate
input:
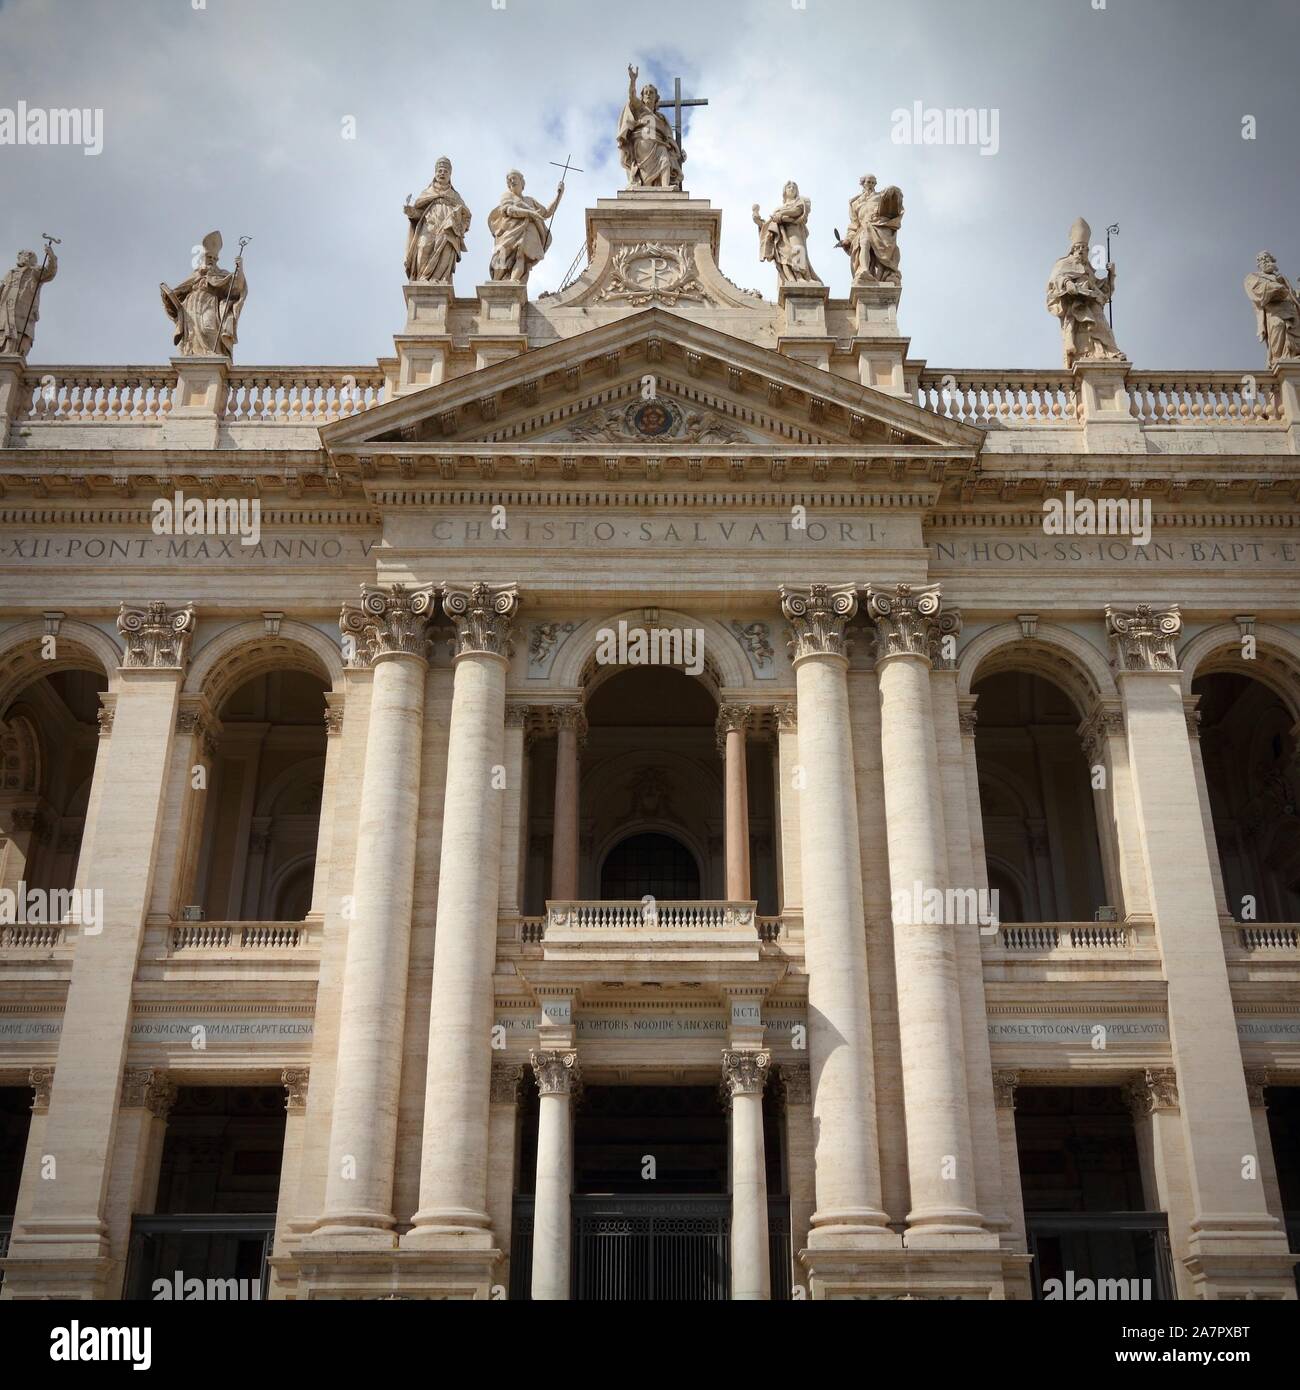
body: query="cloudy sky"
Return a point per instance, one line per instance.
(231, 114)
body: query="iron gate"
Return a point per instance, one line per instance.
(652, 1248)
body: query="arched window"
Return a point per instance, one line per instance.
(657, 865)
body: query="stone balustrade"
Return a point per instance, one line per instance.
(96, 395)
(30, 936)
(1191, 398)
(237, 936)
(301, 395)
(1048, 938)
(1013, 397)
(652, 915)
(1269, 938)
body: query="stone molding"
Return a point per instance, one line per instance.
(388, 620)
(1156, 1089)
(745, 1073)
(910, 620)
(818, 616)
(157, 637)
(557, 1072)
(483, 615)
(1143, 640)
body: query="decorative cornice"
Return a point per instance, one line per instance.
(557, 1072)
(296, 1081)
(483, 614)
(1143, 640)
(1156, 1089)
(745, 1073)
(157, 637)
(911, 621)
(818, 616)
(506, 1081)
(388, 620)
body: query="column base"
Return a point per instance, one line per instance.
(1232, 1264)
(910, 1274)
(852, 1230)
(394, 1274)
(453, 1232)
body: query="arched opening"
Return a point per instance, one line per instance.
(262, 821)
(656, 865)
(1036, 801)
(1252, 775)
(49, 738)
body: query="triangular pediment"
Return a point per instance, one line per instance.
(655, 381)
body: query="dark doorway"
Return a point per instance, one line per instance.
(1284, 1129)
(1085, 1213)
(217, 1192)
(654, 865)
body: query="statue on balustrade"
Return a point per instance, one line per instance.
(783, 238)
(871, 240)
(519, 230)
(647, 147)
(1078, 296)
(205, 308)
(20, 299)
(438, 221)
(1277, 309)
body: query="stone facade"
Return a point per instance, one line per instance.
(449, 541)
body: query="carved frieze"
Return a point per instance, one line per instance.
(648, 272)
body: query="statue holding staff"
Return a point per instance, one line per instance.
(520, 228)
(437, 223)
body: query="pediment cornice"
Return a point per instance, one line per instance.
(723, 389)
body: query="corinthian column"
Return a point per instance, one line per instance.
(386, 630)
(1236, 1245)
(733, 720)
(557, 1078)
(743, 1075)
(61, 1240)
(909, 631)
(835, 950)
(454, 1160)
(569, 724)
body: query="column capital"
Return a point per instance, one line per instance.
(1192, 714)
(818, 616)
(157, 637)
(1256, 1079)
(967, 717)
(41, 1080)
(506, 1081)
(483, 615)
(568, 717)
(295, 1081)
(1004, 1089)
(796, 1082)
(745, 1073)
(388, 620)
(144, 1088)
(787, 718)
(1143, 640)
(335, 701)
(911, 621)
(1104, 721)
(557, 1072)
(1156, 1089)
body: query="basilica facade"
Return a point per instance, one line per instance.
(650, 792)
